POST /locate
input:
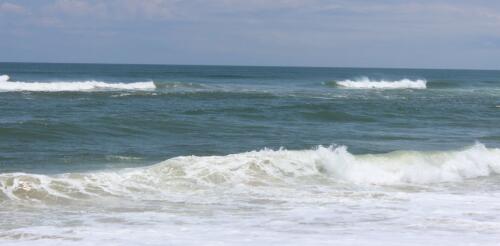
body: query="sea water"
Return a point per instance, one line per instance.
(219, 155)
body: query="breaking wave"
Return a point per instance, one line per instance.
(257, 168)
(366, 83)
(6, 86)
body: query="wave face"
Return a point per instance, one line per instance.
(366, 83)
(6, 85)
(258, 168)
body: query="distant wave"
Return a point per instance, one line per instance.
(439, 84)
(366, 83)
(181, 85)
(6, 85)
(258, 168)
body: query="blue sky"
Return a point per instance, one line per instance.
(339, 33)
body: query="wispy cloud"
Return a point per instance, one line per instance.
(11, 8)
(114, 10)
(76, 8)
(316, 32)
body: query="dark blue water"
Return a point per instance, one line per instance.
(218, 110)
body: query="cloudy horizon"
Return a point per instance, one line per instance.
(384, 33)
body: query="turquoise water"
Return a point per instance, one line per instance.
(226, 155)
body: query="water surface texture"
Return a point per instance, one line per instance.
(155, 154)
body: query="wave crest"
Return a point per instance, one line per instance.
(258, 168)
(366, 83)
(4, 78)
(91, 85)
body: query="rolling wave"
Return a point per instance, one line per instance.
(366, 83)
(266, 168)
(8, 86)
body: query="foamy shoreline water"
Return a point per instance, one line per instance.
(320, 196)
(257, 168)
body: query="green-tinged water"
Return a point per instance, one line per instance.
(188, 155)
(216, 110)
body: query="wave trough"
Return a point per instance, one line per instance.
(92, 85)
(258, 168)
(366, 83)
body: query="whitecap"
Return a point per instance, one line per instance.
(61, 86)
(266, 168)
(366, 83)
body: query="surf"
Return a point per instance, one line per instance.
(263, 168)
(73, 86)
(366, 83)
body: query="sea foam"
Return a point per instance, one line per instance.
(257, 168)
(366, 83)
(91, 85)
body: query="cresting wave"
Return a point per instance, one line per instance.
(366, 83)
(6, 86)
(257, 168)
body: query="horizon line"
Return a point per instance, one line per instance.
(239, 65)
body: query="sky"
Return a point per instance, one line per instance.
(334, 33)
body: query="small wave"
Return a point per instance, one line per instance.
(258, 168)
(7, 86)
(122, 158)
(366, 83)
(180, 85)
(439, 84)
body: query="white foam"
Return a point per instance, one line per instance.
(413, 167)
(90, 85)
(269, 197)
(366, 83)
(4, 78)
(259, 168)
(337, 164)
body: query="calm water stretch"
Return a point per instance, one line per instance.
(188, 155)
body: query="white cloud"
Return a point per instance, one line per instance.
(78, 8)
(264, 4)
(360, 31)
(114, 9)
(10, 8)
(149, 9)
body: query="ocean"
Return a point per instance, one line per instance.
(232, 155)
